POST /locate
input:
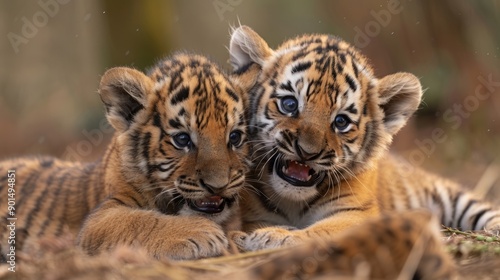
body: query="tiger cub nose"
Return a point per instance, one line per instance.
(212, 188)
(304, 154)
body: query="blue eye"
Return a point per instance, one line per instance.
(341, 122)
(288, 105)
(182, 140)
(235, 138)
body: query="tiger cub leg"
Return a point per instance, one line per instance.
(400, 245)
(280, 236)
(162, 236)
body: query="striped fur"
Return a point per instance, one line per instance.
(394, 246)
(145, 189)
(317, 109)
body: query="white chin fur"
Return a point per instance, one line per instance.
(291, 192)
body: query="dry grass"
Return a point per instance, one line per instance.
(476, 253)
(477, 256)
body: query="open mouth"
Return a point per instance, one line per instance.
(211, 205)
(297, 173)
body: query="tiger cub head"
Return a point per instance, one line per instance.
(180, 134)
(318, 113)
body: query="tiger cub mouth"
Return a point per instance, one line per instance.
(298, 173)
(210, 205)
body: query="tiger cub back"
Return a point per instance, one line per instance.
(44, 196)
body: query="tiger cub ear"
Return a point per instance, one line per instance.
(124, 93)
(248, 52)
(399, 97)
(246, 47)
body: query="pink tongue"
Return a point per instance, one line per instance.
(298, 171)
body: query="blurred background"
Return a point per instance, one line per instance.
(53, 53)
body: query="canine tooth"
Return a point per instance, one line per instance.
(309, 177)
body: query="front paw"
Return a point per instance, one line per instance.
(202, 241)
(266, 238)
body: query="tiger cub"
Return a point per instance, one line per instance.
(320, 125)
(169, 180)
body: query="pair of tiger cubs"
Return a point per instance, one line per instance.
(308, 124)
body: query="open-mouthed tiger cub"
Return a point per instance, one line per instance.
(169, 179)
(321, 123)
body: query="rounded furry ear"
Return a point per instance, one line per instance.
(124, 93)
(247, 47)
(399, 97)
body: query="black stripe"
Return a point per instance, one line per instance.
(119, 201)
(157, 120)
(175, 123)
(469, 204)
(136, 201)
(346, 209)
(310, 204)
(66, 198)
(232, 94)
(84, 185)
(351, 109)
(180, 96)
(48, 218)
(354, 68)
(351, 82)
(243, 68)
(454, 208)
(301, 67)
(350, 141)
(474, 225)
(287, 86)
(56, 200)
(195, 244)
(342, 58)
(27, 189)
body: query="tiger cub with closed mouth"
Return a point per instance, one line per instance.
(169, 180)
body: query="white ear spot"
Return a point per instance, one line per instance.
(399, 97)
(247, 46)
(124, 92)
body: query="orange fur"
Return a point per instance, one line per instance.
(169, 180)
(321, 123)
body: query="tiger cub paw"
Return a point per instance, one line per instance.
(202, 241)
(266, 238)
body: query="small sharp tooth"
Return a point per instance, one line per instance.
(308, 178)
